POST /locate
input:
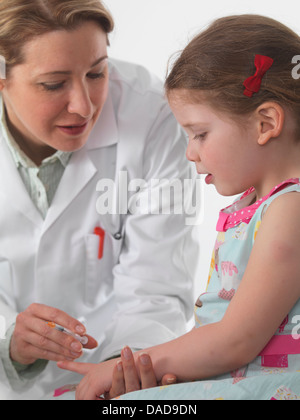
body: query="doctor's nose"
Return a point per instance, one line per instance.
(80, 102)
(191, 153)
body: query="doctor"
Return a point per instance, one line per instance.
(71, 119)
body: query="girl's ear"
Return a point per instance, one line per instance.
(271, 117)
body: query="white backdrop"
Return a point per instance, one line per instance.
(149, 32)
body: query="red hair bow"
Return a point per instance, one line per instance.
(253, 83)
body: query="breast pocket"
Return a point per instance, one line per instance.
(101, 258)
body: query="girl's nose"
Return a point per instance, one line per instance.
(191, 153)
(80, 102)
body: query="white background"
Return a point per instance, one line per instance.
(149, 32)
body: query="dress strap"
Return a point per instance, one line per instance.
(239, 212)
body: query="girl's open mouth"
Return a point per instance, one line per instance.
(209, 179)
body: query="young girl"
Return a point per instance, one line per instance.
(233, 91)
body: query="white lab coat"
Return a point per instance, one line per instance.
(140, 293)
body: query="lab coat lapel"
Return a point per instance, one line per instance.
(78, 173)
(12, 186)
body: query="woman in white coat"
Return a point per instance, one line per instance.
(82, 142)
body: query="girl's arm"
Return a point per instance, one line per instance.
(268, 291)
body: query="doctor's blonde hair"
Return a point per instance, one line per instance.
(23, 20)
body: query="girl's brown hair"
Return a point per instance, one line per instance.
(22, 20)
(218, 61)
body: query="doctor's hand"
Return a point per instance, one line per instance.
(126, 378)
(33, 339)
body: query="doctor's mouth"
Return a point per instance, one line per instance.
(74, 130)
(152, 197)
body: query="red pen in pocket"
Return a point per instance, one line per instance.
(101, 233)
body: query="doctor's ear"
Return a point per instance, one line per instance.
(271, 117)
(2, 84)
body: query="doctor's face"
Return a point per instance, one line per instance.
(54, 98)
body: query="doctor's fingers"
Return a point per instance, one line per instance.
(35, 346)
(27, 322)
(38, 333)
(132, 381)
(125, 375)
(92, 343)
(31, 354)
(54, 315)
(126, 379)
(118, 382)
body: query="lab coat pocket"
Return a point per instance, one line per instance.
(102, 254)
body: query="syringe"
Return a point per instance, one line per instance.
(83, 340)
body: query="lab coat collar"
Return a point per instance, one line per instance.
(77, 175)
(12, 186)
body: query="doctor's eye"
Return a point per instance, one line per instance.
(52, 86)
(95, 76)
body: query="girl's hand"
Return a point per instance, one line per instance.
(114, 378)
(33, 339)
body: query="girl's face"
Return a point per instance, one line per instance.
(223, 150)
(55, 97)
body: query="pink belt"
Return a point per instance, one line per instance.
(275, 354)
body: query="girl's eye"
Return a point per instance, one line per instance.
(200, 136)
